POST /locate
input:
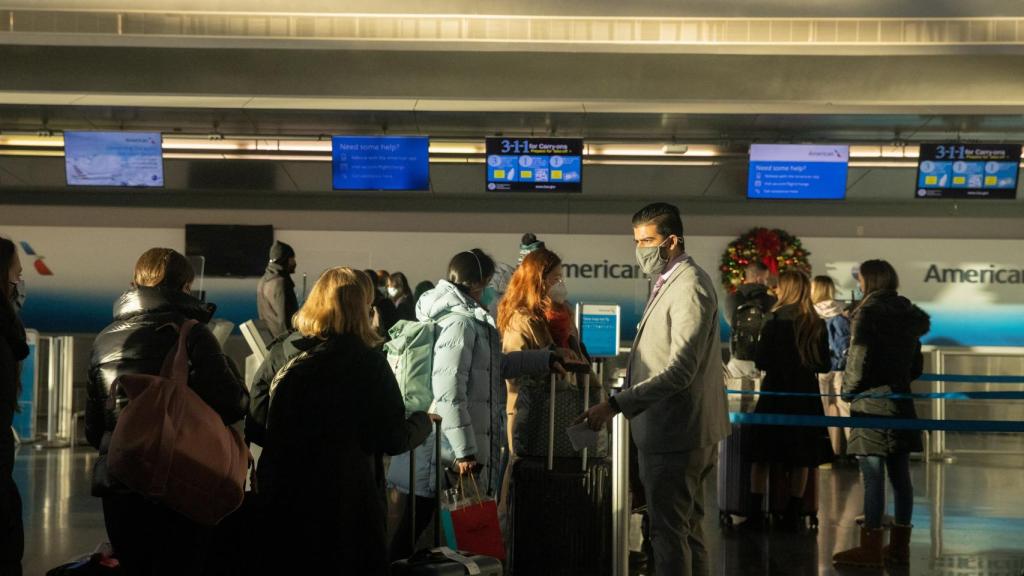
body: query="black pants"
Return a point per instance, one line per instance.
(12, 528)
(151, 540)
(401, 545)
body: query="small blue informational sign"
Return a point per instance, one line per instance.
(968, 171)
(380, 162)
(114, 158)
(599, 329)
(798, 171)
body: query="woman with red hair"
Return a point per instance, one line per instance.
(534, 315)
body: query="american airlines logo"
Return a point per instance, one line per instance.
(39, 265)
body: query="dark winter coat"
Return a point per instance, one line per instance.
(333, 411)
(405, 308)
(13, 349)
(138, 340)
(885, 357)
(279, 353)
(778, 356)
(275, 299)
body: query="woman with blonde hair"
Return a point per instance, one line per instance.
(335, 408)
(823, 292)
(793, 347)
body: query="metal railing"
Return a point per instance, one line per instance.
(60, 392)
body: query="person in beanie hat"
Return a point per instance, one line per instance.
(275, 293)
(528, 244)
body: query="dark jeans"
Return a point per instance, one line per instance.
(402, 545)
(151, 540)
(873, 469)
(12, 529)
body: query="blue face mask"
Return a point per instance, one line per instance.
(488, 297)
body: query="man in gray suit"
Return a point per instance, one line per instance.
(676, 395)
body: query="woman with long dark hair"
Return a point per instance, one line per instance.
(884, 358)
(13, 349)
(792, 349)
(469, 395)
(401, 296)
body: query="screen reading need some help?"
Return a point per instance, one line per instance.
(534, 164)
(798, 171)
(380, 162)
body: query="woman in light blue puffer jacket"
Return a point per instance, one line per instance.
(469, 372)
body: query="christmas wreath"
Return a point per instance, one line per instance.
(779, 250)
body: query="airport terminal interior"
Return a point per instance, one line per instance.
(809, 136)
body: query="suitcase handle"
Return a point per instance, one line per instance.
(551, 426)
(586, 406)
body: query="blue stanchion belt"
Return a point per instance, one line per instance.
(898, 396)
(876, 423)
(971, 378)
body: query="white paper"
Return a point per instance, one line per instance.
(582, 436)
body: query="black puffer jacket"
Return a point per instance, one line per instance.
(884, 357)
(334, 411)
(137, 342)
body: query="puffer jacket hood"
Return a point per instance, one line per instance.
(156, 300)
(828, 309)
(446, 298)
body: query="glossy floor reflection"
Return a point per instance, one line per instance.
(969, 519)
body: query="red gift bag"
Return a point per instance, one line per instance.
(475, 523)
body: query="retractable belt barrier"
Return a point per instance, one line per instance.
(897, 396)
(877, 423)
(894, 423)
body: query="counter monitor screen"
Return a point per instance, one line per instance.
(535, 164)
(798, 171)
(968, 171)
(114, 159)
(380, 162)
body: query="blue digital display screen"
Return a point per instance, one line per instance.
(534, 164)
(968, 171)
(380, 162)
(114, 159)
(600, 333)
(798, 171)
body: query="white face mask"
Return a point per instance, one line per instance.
(558, 293)
(392, 292)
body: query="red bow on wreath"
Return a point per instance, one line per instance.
(768, 247)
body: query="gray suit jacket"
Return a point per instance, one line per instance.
(676, 399)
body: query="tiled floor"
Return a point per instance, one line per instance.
(969, 518)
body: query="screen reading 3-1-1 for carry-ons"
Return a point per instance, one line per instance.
(798, 171)
(968, 171)
(535, 164)
(380, 162)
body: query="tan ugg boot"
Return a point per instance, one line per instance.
(897, 553)
(868, 554)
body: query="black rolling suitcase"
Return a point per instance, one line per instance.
(559, 511)
(439, 561)
(733, 477)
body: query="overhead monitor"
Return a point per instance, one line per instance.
(535, 164)
(114, 159)
(380, 162)
(599, 328)
(230, 250)
(798, 171)
(968, 171)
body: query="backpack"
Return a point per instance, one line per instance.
(410, 353)
(746, 329)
